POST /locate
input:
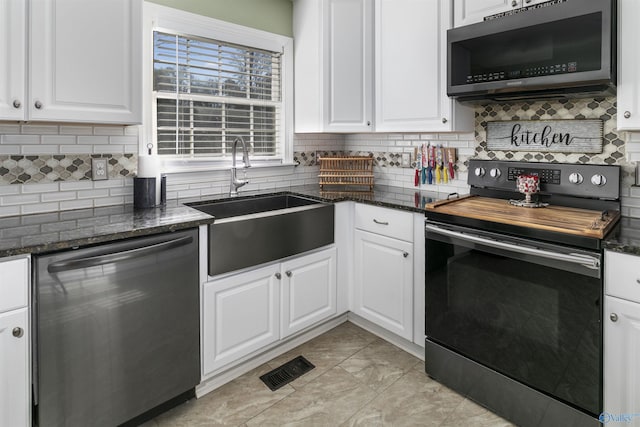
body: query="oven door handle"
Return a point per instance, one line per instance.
(584, 260)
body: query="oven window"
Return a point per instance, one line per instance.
(534, 323)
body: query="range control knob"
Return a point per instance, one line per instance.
(479, 171)
(495, 173)
(598, 180)
(575, 178)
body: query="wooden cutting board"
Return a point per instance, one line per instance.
(582, 222)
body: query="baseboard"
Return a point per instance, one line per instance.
(408, 346)
(244, 365)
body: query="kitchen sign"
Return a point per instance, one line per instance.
(549, 136)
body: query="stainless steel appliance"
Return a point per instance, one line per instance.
(513, 294)
(117, 329)
(555, 51)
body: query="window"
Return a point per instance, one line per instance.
(213, 82)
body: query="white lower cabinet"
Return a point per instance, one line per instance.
(308, 291)
(621, 338)
(245, 312)
(621, 355)
(383, 287)
(14, 368)
(15, 405)
(240, 315)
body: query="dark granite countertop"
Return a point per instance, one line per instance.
(385, 196)
(54, 231)
(48, 232)
(625, 238)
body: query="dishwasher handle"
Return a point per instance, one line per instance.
(77, 263)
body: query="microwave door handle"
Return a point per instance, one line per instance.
(74, 264)
(583, 260)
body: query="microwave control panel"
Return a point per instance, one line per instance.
(530, 71)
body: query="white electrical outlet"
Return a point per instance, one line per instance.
(99, 169)
(406, 160)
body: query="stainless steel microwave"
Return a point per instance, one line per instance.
(557, 49)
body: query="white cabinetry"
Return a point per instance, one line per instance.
(83, 61)
(628, 65)
(308, 291)
(240, 315)
(622, 335)
(471, 11)
(247, 311)
(333, 65)
(621, 353)
(14, 343)
(410, 64)
(334, 56)
(13, 46)
(383, 282)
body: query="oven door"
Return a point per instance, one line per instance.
(530, 311)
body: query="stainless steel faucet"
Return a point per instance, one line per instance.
(235, 182)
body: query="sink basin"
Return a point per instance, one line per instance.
(255, 205)
(252, 231)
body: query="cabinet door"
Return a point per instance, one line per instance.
(621, 355)
(86, 61)
(383, 288)
(240, 315)
(308, 291)
(628, 65)
(12, 59)
(408, 44)
(14, 284)
(349, 39)
(14, 372)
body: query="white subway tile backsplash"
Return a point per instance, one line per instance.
(9, 129)
(93, 194)
(76, 185)
(21, 139)
(9, 149)
(19, 199)
(108, 130)
(58, 196)
(76, 149)
(58, 139)
(39, 149)
(39, 129)
(39, 188)
(108, 201)
(90, 140)
(9, 189)
(9, 211)
(75, 130)
(39, 208)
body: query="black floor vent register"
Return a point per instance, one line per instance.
(286, 373)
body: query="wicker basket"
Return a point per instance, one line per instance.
(346, 170)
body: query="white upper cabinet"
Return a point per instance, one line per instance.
(12, 58)
(333, 42)
(410, 68)
(471, 11)
(628, 65)
(339, 87)
(83, 62)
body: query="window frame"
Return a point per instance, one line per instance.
(166, 19)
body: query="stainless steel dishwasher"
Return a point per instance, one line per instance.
(116, 329)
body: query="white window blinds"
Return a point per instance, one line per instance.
(207, 92)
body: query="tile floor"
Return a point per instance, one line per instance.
(358, 380)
